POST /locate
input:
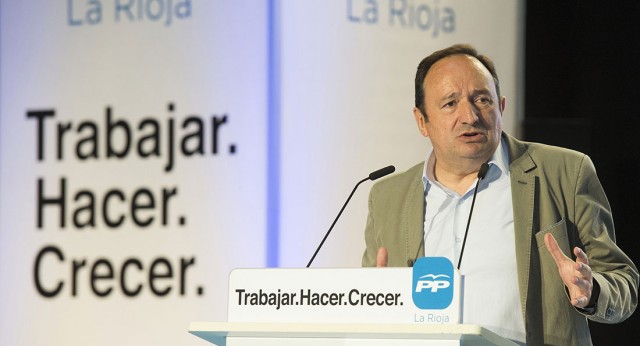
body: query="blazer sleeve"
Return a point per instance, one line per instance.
(613, 270)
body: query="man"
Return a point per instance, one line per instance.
(540, 256)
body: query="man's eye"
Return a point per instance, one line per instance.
(483, 100)
(449, 104)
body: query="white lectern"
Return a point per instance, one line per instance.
(346, 306)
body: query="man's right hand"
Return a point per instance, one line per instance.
(382, 258)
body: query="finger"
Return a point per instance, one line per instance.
(580, 302)
(382, 257)
(583, 269)
(554, 249)
(581, 256)
(582, 285)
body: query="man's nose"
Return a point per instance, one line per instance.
(469, 113)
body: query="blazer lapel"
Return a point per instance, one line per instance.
(523, 187)
(414, 219)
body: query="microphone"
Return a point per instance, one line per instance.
(372, 176)
(380, 173)
(481, 174)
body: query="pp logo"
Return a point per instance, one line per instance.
(432, 283)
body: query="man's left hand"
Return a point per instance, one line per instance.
(575, 275)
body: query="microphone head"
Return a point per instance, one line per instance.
(381, 172)
(483, 171)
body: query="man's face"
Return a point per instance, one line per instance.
(464, 115)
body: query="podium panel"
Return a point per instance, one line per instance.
(343, 295)
(346, 306)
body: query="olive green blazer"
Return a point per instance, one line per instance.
(554, 190)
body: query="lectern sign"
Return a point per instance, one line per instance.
(428, 293)
(432, 283)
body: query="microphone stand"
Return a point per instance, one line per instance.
(336, 220)
(481, 174)
(372, 176)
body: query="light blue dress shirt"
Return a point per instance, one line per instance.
(490, 290)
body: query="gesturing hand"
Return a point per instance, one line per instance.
(575, 275)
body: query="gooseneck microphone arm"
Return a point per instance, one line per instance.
(373, 176)
(481, 174)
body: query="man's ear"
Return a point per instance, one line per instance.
(420, 121)
(503, 103)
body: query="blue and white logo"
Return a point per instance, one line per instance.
(432, 283)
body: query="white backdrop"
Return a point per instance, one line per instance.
(191, 80)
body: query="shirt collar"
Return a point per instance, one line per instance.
(499, 160)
